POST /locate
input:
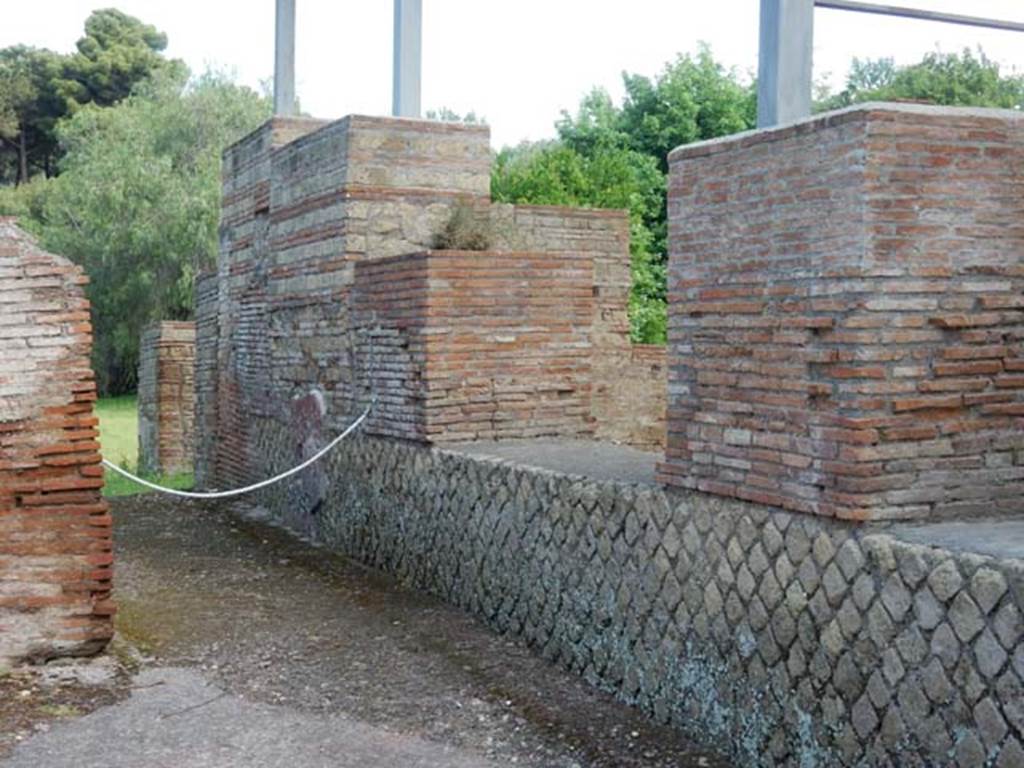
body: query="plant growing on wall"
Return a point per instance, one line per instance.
(465, 229)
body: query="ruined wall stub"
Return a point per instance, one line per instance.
(55, 529)
(477, 345)
(167, 352)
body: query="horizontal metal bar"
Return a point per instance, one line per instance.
(918, 13)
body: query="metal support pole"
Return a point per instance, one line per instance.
(784, 61)
(408, 45)
(921, 13)
(284, 58)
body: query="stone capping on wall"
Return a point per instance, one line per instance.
(55, 527)
(846, 314)
(856, 113)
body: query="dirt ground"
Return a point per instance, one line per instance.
(272, 622)
(33, 699)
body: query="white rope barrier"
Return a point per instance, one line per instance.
(249, 488)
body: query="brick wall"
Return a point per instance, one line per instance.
(628, 391)
(307, 201)
(166, 396)
(630, 396)
(476, 345)
(847, 314)
(55, 530)
(205, 377)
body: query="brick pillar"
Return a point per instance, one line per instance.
(167, 353)
(55, 529)
(846, 320)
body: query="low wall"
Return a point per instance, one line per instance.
(627, 398)
(782, 639)
(167, 352)
(630, 396)
(55, 528)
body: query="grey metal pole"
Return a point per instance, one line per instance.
(405, 100)
(920, 13)
(785, 61)
(284, 58)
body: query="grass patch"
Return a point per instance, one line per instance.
(119, 443)
(59, 710)
(119, 429)
(116, 485)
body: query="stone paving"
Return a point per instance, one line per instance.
(178, 718)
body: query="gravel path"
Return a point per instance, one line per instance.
(265, 651)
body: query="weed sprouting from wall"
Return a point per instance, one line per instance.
(466, 229)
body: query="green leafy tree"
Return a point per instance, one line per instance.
(117, 52)
(137, 203)
(693, 99)
(39, 88)
(964, 79)
(30, 107)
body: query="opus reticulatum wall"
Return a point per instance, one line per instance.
(784, 639)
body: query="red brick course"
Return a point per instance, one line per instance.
(55, 530)
(846, 314)
(476, 345)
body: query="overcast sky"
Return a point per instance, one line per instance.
(517, 63)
